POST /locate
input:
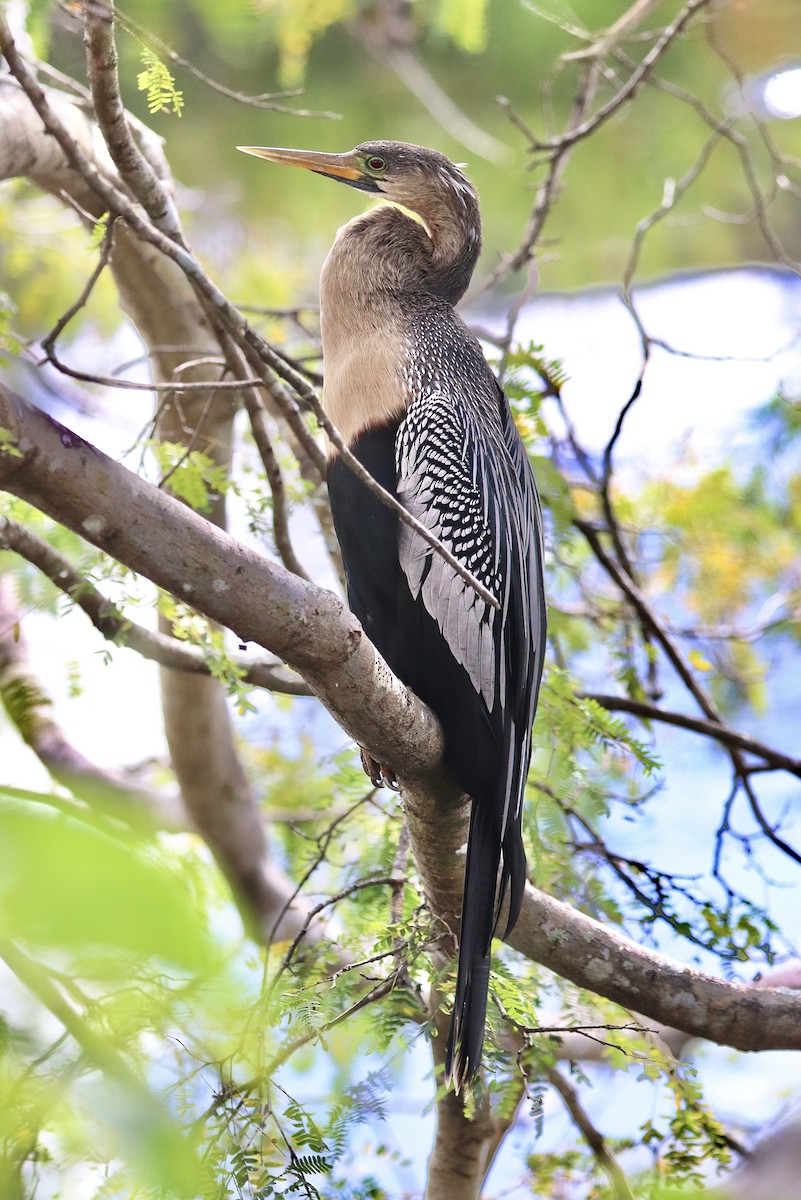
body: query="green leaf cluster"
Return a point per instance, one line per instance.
(156, 79)
(190, 475)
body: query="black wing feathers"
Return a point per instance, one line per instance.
(463, 472)
(457, 464)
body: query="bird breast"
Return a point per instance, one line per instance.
(364, 357)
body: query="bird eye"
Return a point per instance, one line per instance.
(376, 163)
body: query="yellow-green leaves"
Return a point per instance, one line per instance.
(699, 660)
(465, 23)
(726, 540)
(8, 444)
(155, 79)
(298, 23)
(189, 474)
(66, 884)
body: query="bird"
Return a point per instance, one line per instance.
(409, 389)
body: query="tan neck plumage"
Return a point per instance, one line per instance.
(363, 344)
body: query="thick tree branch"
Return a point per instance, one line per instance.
(166, 651)
(593, 956)
(311, 630)
(308, 627)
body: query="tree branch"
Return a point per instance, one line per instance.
(592, 1136)
(578, 948)
(310, 629)
(157, 536)
(166, 651)
(720, 733)
(135, 171)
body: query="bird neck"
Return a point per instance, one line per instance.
(453, 224)
(381, 267)
(392, 251)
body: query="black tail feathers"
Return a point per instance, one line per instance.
(483, 896)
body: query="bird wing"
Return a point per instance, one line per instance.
(468, 481)
(441, 483)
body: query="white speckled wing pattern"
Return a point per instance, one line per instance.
(464, 474)
(438, 484)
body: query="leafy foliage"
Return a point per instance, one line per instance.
(156, 79)
(190, 475)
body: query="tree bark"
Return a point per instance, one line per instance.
(312, 631)
(163, 306)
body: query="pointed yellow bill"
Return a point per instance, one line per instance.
(341, 166)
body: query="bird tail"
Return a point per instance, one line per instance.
(482, 899)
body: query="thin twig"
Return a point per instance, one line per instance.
(48, 342)
(632, 84)
(592, 1136)
(721, 733)
(266, 100)
(275, 478)
(406, 518)
(329, 902)
(547, 189)
(323, 843)
(376, 993)
(642, 607)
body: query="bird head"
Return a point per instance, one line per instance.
(411, 176)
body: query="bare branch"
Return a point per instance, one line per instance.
(622, 28)
(592, 1136)
(135, 170)
(548, 189)
(720, 733)
(632, 84)
(643, 609)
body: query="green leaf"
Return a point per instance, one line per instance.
(157, 81)
(189, 474)
(65, 884)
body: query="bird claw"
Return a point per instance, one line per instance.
(379, 774)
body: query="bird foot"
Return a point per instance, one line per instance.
(379, 774)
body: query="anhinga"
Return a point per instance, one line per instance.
(407, 385)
